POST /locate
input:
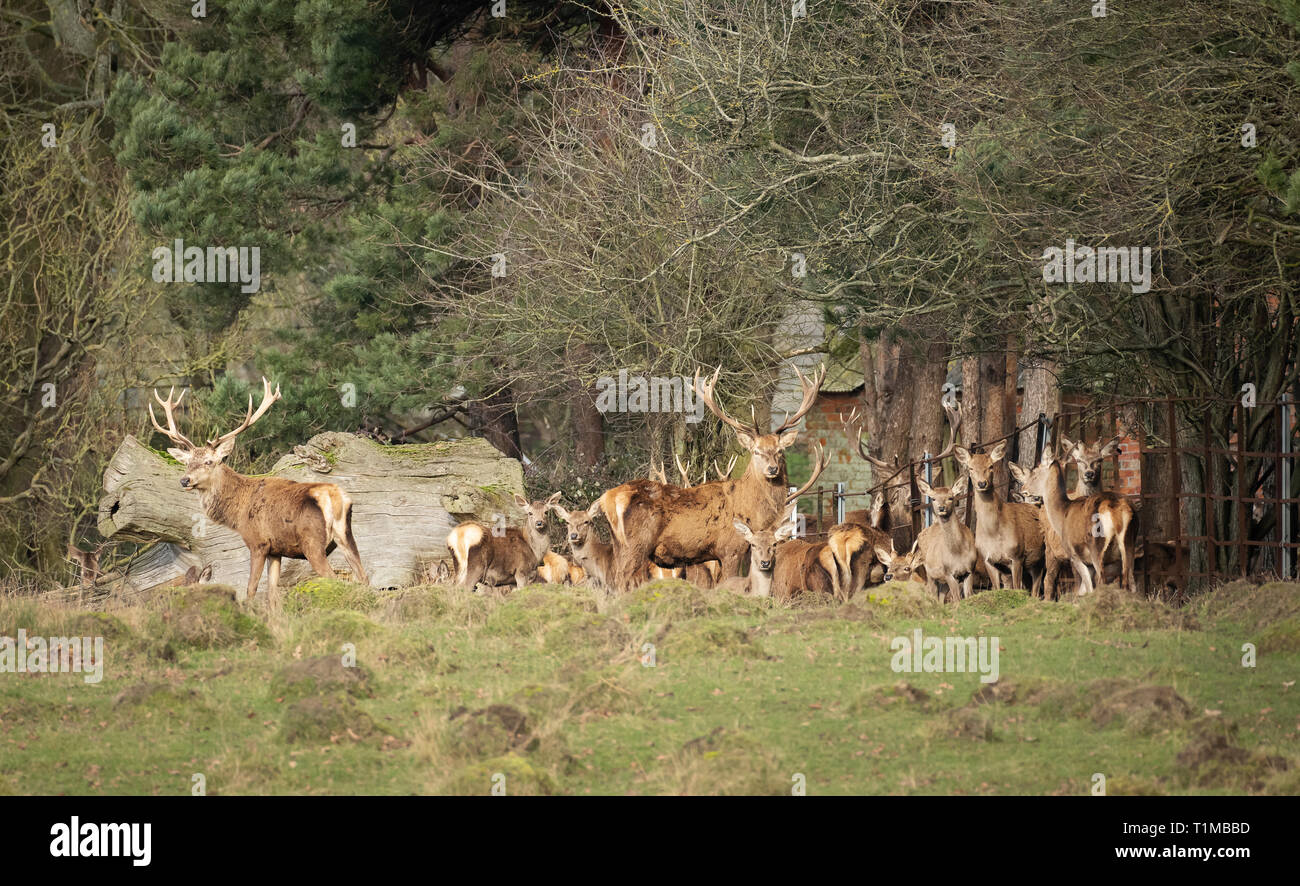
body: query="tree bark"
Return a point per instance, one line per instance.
(494, 418)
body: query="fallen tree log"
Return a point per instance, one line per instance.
(405, 499)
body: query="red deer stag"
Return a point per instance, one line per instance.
(515, 554)
(672, 526)
(275, 517)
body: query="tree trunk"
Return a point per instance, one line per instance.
(405, 499)
(1042, 397)
(494, 418)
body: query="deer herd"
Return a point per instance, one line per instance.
(742, 534)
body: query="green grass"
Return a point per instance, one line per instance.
(546, 688)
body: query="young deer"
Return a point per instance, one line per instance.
(782, 566)
(1007, 534)
(275, 517)
(1087, 462)
(902, 567)
(555, 569)
(1086, 527)
(946, 548)
(594, 556)
(481, 556)
(675, 527)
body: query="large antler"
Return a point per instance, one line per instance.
(810, 389)
(704, 389)
(954, 424)
(854, 419)
(268, 399)
(818, 466)
(169, 405)
(686, 474)
(657, 472)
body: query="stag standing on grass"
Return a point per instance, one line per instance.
(276, 517)
(674, 527)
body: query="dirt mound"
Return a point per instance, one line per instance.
(1142, 709)
(1000, 600)
(725, 762)
(1254, 607)
(489, 732)
(709, 639)
(148, 700)
(332, 718)
(1011, 692)
(206, 617)
(330, 594)
(322, 674)
(902, 599)
(891, 695)
(534, 608)
(1110, 607)
(1213, 760)
(588, 634)
(672, 600)
(1281, 636)
(507, 775)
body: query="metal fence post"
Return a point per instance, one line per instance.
(926, 516)
(1284, 479)
(839, 502)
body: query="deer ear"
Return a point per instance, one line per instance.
(960, 486)
(1110, 448)
(786, 530)
(1066, 446)
(554, 498)
(225, 447)
(884, 555)
(962, 454)
(788, 438)
(520, 500)
(180, 455)
(593, 510)
(745, 440)
(742, 529)
(1017, 471)
(559, 509)
(924, 488)
(998, 451)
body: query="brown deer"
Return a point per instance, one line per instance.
(856, 549)
(782, 566)
(275, 517)
(1087, 526)
(672, 526)
(555, 569)
(480, 555)
(1007, 533)
(1087, 460)
(591, 554)
(946, 547)
(87, 564)
(902, 567)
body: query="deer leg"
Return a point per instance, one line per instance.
(257, 559)
(967, 583)
(319, 563)
(1085, 578)
(1017, 572)
(272, 574)
(352, 555)
(954, 589)
(995, 577)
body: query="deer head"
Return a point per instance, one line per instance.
(762, 544)
(202, 462)
(898, 567)
(535, 511)
(1088, 457)
(943, 499)
(580, 523)
(767, 451)
(980, 466)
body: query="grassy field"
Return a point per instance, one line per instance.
(547, 688)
